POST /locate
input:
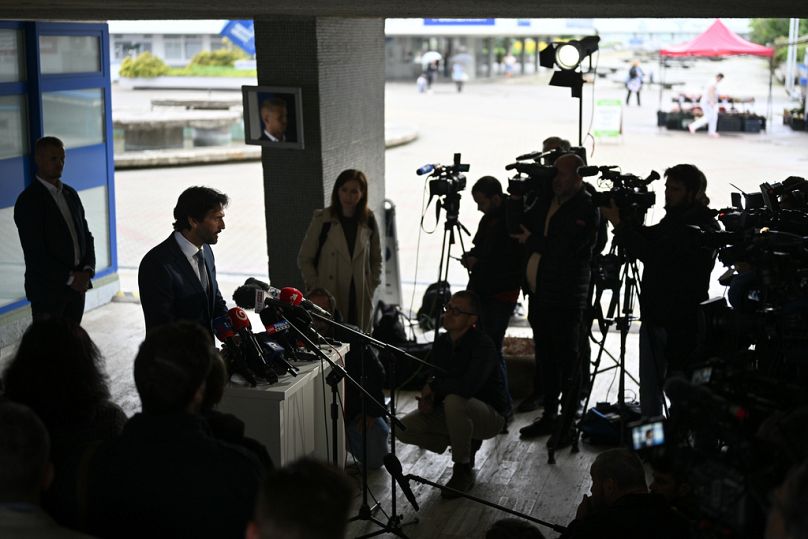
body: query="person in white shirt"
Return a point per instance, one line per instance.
(709, 106)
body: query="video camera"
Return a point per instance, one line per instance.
(629, 192)
(535, 176)
(448, 180)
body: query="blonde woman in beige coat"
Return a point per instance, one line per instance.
(342, 251)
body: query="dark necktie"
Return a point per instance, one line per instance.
(203, 273)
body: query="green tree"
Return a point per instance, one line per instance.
(774, 32)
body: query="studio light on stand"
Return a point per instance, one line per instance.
(567, 58)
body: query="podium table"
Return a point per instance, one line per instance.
(292, 417)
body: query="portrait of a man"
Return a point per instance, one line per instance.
(274, 118)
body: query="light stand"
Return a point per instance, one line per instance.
(365, 513)
(567, 57)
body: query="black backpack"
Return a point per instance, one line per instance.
(632, 73)
(388, 325)
(436, 296)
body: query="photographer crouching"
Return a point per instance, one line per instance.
(675, 278)
(559, 239)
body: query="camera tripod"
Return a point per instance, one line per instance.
(450, 203)
(618, 273)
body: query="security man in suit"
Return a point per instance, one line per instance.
(58, 247)
(177, 278)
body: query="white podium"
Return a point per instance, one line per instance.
(292, 417)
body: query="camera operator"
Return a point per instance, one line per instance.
(675, 277)
(559, 239)
(494, 265)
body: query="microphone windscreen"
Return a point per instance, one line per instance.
(269, 316)
(239, 319)
(244, 296)
(290, 295)
(223, 328)
(252, 281)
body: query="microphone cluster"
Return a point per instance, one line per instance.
(262, 356)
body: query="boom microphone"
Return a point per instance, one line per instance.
(393, 466)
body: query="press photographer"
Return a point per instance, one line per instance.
(559, 235)
(675, 279)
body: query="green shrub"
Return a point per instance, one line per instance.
(223, 57)
(145, 65)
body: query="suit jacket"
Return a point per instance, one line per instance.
(171, 291)
(46, 243)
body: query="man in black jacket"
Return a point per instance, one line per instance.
(463, 404)
(167, 476)
(559, 238)
(494, 265)
(57, 244)
(675, 279)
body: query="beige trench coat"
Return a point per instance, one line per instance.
(337, 267)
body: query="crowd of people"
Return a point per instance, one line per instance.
(72, 463)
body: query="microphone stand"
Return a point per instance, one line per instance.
(394, 522)
(555, 527)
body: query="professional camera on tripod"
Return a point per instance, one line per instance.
(629, 192)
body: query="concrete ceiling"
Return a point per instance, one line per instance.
(245, 9)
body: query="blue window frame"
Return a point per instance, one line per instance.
(76, 83)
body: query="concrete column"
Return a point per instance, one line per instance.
(522, 56)
(490, 44)
(339, 65)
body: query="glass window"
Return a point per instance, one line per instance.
(217, 43)
(12, 65)
(193, 45)
(75, 116)
(69, 54)
(124, 48)
(96, 211)
(13, 127)
(12, 270)
(173, 48)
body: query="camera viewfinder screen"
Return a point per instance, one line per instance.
(648, 435)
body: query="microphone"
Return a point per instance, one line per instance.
(531, 155)
(249, 345)
(278, 327)
(426, 169)
(393, 466)
(293, 296)
(232, 352)
(593, 170)
(252, 281)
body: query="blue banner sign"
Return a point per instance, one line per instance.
(459, 22)
(241, 33)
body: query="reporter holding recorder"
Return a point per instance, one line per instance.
(341, 251)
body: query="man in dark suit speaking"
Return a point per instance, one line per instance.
(57, 245)
(177, 279)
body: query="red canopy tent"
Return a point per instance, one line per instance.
(718, 40)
